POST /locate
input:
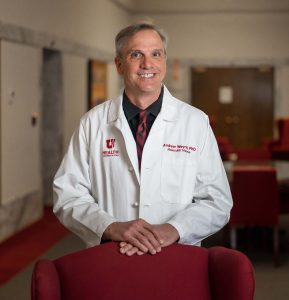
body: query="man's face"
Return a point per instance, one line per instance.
(142, 64)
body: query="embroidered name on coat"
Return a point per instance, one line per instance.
(180, 148)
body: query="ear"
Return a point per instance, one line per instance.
(118, 64)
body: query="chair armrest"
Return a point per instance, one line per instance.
(231, 275)
(45, 283)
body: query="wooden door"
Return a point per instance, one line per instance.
(239, 99)
(97, 74)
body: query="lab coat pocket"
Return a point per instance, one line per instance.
(178, 180)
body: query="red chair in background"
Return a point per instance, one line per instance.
(284, 196)
(225, 147)
(224, 144)
(256, 202)
(280, 148)
(177, 272)
(256, 154)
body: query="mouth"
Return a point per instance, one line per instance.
(147, 75)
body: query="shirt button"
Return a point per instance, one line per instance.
(130, 169)
(136, 204)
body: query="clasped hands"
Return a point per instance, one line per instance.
(140, 237)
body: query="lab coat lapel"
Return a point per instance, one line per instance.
(154, 144)
(117, 117)
(168, 113)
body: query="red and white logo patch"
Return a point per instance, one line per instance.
(110, 143)
(109, 149)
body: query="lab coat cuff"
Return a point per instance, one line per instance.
(178, 228)
(104, 224)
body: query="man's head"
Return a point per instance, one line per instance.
(141, 59)
(127, 32)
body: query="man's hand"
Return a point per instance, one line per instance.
(166, 232)
(139, 237)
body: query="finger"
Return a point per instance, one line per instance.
(126, 248)
(145, 240)
(139, 242)
(142, 235)
(128, 252)
(122, 244)
(155, 233)
(132, 251)
(150, 241)
(148, 236)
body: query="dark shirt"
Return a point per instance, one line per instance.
(131, 112)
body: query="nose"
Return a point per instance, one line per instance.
(146, 62)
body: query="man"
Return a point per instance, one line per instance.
(143, 169)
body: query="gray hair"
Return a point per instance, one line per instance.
(127, 32)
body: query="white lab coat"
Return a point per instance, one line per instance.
(182, 180)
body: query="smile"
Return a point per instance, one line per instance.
(147, 75)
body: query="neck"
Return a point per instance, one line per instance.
(143, 100)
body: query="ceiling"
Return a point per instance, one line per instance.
(203, 6)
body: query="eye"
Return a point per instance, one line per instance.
(135, 55)
(157, 53)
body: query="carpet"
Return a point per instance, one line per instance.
(24, 247)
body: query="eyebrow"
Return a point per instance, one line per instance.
(138, 50)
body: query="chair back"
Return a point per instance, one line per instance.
(178, 272)
(283, 126)
(255, 194)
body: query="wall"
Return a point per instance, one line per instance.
(74, 93)
(227, 36)
(92, 23)
(79, 30)
(20, 139)
(20, 201)
(218, 38)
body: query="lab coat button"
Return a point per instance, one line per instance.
(136, 204)
(130, 169)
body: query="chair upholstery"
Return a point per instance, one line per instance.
(225, 147)
(284, 196)
(178, 272)
(280, 148)
(255, 154)
(283, 126)
(256, 201)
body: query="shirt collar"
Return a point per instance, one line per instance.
(132, 110)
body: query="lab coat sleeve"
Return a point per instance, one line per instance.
(73, 202)
(212, 200)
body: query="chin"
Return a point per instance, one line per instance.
(150, 89)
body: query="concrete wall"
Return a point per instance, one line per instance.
(78, 30)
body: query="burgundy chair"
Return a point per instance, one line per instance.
(178, 272)
(255, 154)
(280, 148)
(284, 196)
(225, 147)
(256, 201)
